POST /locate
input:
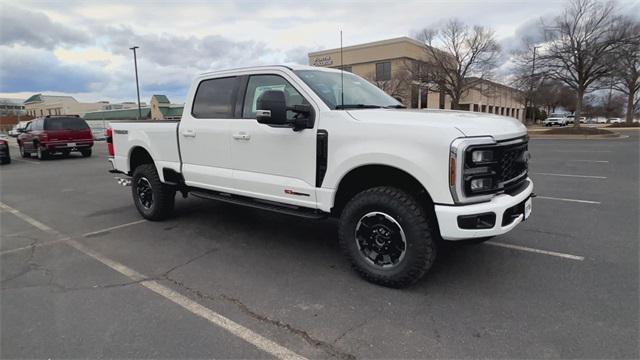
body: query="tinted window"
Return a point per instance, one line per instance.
(215, 98)
(65, 123)
(258, 84)
(383, 71)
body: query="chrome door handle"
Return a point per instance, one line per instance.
(242, 136)
(189, 133)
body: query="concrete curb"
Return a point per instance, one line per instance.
(578, 137)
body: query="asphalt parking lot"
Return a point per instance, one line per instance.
(83, 276)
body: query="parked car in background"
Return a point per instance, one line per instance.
(555, 120)
(56, 134)
(5, 157)
(601, 120)
(615, 120)
(18, 128)
(98, 133)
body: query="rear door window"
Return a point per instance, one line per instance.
(215, 99)
(65, 123)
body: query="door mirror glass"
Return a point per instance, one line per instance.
(272, 108)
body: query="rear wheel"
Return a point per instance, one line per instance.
(43, 154)
(388, 237)
(5, 160)
(153, 199)
(86, 153)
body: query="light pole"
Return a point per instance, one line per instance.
(135, 64)
(533, 69)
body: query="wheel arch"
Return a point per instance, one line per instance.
(138, 155)
(372, 175)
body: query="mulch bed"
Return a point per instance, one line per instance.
(624, 125)
(570, 130)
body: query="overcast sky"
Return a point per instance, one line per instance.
(81, 48)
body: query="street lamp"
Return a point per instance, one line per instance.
(533, 69)
(135, 64)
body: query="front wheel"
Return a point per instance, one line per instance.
(23, 153)
(388, 237)
(153, 199)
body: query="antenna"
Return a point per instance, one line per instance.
(341, 72)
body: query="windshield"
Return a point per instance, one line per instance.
(358, 92)
(65, 123)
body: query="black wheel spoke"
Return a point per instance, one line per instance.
(380, 239)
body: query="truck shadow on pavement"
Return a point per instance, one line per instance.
(313, 243)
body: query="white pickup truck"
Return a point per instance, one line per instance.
(314, 142)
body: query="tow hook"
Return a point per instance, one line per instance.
(123, 181)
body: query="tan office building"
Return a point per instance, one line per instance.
(387, 64)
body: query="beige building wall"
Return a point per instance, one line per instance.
(60, 105)
(401, 52)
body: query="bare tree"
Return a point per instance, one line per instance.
(626, 74)
(397, 85)
(580, 46)
(459, 57)
(553, 94)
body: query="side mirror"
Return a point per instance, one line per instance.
(272, 108)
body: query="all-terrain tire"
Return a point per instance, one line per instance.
(43, 154)
(414, 221)
(23, 153)
(162, 196)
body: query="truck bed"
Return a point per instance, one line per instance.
(159, 138)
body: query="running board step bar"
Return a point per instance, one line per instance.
(259, 204)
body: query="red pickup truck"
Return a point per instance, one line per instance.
(55, 134)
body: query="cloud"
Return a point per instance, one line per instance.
(30, 28)
(25, 69)
(165, 49)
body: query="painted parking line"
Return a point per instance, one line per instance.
(571, 175)
(257, 340)
(592, 161)
(39, 245)
(102, 231)
(583, 151)
(536, 251)
(64, 239)
(27, 161)
(566, 199)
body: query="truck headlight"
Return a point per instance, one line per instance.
(482, 156)
(481, 184)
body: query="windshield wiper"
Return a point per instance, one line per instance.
(357, 106)
(395, 107)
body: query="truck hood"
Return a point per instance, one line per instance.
(468, 123)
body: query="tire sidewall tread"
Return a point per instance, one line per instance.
(163, 195)
(416, 223)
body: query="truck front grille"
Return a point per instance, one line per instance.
(513, 164)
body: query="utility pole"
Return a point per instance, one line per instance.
(135, 64)
(533, 69)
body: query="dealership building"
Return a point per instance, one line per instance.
(388, 63)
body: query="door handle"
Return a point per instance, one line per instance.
(242, 136)
(189, 133)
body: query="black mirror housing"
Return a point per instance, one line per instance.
(272, 108)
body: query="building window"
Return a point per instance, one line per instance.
(475, 108)
(383, 71)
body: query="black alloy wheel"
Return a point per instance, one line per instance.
(380, 239)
